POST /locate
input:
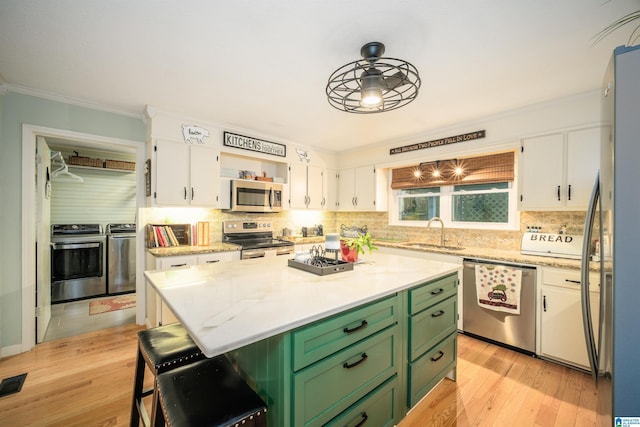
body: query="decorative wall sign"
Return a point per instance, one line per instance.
(193, 133)
(147, 177)
(438, 142)
(253, 144)
(303, 155)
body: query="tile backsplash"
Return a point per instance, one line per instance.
(549, 222)
(378, 225)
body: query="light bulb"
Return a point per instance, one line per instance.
(371, 85)
(371, 97)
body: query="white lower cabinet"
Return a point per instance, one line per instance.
(561, 327)
(164, 315)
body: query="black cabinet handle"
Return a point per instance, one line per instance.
(438, 357)
(179, 265)
(364, 419)
(544, 303)
(569, 191)
(357, 328)
(353, 365)
(212, 261)
(439, 291)
(572, 281)
(192, 194)
(437, 313)
(185, 193)
(558, 192)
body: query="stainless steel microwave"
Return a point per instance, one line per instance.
(256, 196)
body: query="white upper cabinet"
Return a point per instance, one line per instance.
(306, 189)
(359, 189)
(583, 161)
(185, 175)
(557, 171)
(330, 189)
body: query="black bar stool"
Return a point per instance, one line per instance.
(208, 393)
(161, 349)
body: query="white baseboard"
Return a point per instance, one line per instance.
(11, 350)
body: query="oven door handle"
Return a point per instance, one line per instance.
(285, 250)
(75, 245)
(253, 253)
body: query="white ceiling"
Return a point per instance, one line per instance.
(263, 65)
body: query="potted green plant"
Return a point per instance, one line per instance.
(350, 247)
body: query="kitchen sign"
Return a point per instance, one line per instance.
(438, 142)
(253, 144)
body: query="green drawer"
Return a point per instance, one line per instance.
(431, 293)
(431, 326)
(320, 339)
(377, 409)
(324, 390)
(426, 371)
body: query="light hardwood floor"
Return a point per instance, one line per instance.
(86, 380)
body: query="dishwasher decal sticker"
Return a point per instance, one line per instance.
(498, 288)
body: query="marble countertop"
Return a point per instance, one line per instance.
(193, 250)
(225, 306)
(490, 254)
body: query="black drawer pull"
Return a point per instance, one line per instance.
(438, 292)
(577, 282)
(438, 357)
(353, 365)
(437, 313)
(364, 419)
(357, 328)
(179, 265)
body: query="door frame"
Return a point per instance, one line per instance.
(29, 133)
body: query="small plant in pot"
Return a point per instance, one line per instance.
(350, 247)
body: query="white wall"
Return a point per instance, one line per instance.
(504, 130)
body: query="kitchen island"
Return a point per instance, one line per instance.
(320, 348)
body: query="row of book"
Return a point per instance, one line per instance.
(162, 236)
(168, 235)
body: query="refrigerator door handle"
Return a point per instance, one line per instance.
(584, 287)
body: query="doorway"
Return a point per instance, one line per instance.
(35, 230)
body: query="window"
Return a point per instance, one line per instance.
(483, 198)
(483, 206)
(418, 204)
(480, 203)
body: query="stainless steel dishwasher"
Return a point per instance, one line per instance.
(121, 258)
(514, 330)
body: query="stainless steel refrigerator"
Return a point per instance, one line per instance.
(612, 244)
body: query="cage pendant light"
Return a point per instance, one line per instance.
(373, 84)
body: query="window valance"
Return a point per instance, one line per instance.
(473, 170)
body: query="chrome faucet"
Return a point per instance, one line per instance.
(435, 218)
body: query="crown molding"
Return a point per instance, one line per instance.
(72, 101)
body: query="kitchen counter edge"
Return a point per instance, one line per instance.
(193, 250)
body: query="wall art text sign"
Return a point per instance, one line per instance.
(253, 144)
(438, 142)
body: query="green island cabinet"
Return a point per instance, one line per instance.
(365, 366)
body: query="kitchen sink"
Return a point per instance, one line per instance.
(432, 246)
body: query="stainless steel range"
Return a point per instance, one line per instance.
(78, 253)
(255, 238)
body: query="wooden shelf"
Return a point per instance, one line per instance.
(100, 169)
